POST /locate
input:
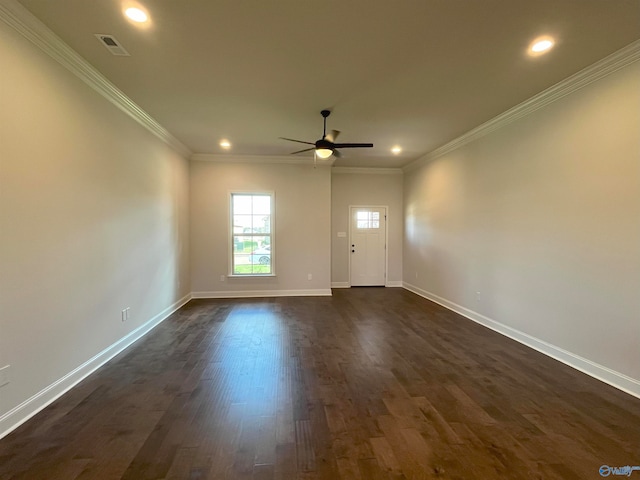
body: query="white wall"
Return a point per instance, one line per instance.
(354, 188)
(542, 217)
(302, 227)
(93, 219)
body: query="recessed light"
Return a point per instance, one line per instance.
(396, 150)
(541, 45)
(136, 14)
(226, 144)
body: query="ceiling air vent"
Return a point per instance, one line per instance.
(111, 44)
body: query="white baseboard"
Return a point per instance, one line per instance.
(394, 283)
(30, 407)
(595, 370)
(263, 293)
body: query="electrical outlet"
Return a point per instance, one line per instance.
(128, 310)
(222, 278)
(4, 375)
(309, 276)
(478, 296)
(123, 315)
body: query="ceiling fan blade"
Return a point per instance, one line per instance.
(333, 135)
(337, 154)
(305, 150)
(353, 145)
(293, 140)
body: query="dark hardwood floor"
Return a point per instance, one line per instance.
(371, 383)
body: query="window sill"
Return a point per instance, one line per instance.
(251, 275)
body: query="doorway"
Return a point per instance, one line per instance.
(367, 246)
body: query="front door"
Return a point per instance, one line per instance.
(368, 236)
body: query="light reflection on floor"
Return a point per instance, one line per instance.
(248, 371)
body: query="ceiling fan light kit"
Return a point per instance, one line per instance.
(326, 146)
(323, 153)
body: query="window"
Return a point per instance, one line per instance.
(367, 219)
(252, 234)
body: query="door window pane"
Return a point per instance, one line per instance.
(367, 220)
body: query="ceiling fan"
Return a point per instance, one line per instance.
(326, 146)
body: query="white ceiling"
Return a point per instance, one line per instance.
(417, 73)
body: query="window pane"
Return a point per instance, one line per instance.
(261, 256)
(362, 215)
(241, 264)
(261, 204)
(251, 254)
(376, 215)
(262, 224)
(257, 261)
(251, 224)
(241, 204)
(242, 223)
(245, 244)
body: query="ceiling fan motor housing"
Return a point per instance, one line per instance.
(322, 143)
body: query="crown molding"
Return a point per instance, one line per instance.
(21, 20)
(368, 170)
(260, 159)
(608, 65)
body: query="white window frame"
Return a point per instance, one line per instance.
(272, 235)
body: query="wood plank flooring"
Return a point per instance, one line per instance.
(371, 383)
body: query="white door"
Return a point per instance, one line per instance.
(368, 235)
